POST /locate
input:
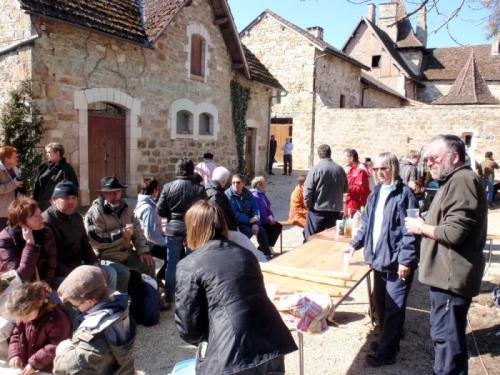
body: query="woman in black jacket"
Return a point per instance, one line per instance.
(220, 298)
(391, 252)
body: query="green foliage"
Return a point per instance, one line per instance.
(22, 128)
(240, 96)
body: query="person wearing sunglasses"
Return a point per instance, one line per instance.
(392, 253)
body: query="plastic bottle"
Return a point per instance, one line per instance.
(356, 222)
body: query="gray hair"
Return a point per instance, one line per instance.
(392, 161)
(257, 180)
(221, 175)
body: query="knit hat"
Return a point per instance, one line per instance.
(81, 282)
(65, 189)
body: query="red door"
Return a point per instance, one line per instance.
(106, 148)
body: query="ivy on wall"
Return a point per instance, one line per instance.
(240, 96)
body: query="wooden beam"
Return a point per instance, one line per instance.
(220, 20)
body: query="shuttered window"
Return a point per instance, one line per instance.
(197, 55)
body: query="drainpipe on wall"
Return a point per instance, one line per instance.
(270, 104)
(313, 114)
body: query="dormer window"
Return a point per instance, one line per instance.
(376, 61)
(197, 55)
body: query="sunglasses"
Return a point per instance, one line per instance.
(380, 169)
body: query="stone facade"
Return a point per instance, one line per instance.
(301, 67)
(371, 131)
(73, 68)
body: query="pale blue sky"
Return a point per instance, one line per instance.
(339, 17)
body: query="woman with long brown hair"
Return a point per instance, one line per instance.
(220, 298)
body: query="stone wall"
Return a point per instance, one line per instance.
(74, 67)
(363, 46)
(15, 65)
(435, 89)
(371, 131)
(374, 98)
(290, 58)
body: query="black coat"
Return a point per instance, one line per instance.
(49, 175)
(220, 298)
(175, 199)
(215, 193)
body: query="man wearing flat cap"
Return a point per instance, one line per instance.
(205, 168)
(116, 234)
(72, 242)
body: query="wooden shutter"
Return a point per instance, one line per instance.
(196, 55)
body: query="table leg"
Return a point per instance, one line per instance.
(300, 336)
(370, 306)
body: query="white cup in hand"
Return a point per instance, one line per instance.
(412, 212)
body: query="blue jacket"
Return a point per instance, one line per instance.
(395, 245)
(244, 206)
(145, 212)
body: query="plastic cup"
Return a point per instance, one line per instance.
(412, 212)
(347, 261)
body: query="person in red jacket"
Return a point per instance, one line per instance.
(358, 181)
(40, 326)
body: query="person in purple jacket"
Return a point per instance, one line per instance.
(271, 226)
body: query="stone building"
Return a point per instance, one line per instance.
(128, 87)
(316, 77)
(398, 56)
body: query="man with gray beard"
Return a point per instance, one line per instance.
(451, 261)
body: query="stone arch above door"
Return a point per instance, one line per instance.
(82, 99)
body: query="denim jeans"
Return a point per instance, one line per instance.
(491, 188)
(174, 251)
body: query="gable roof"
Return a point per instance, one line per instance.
(469, 87)
(258, 72)
(137, 21)
(446, 63)
(386, 41)
(317, 42)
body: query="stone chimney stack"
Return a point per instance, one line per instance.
(370, 13)
(317, 31)
(421, 30)
(388, 16)
(495, 44)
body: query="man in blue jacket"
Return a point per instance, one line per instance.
(246, 212)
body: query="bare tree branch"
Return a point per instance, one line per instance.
(408, 15)
(450, 17)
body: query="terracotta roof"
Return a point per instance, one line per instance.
(319, 43)
(446, 63)
(373, 82)
(258, 72)
(124, 19)
(469, 87)
(392, 49)
(121, 18)
(158, 14)
(406, 38)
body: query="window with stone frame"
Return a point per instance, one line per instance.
(197, 55)
(184, 122)
(206, 124)
(342, 101)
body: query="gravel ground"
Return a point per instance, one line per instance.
(342, 349)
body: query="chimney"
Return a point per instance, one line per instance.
(421, 30)
(370, 13)
(388, 16)
(495, 44)
(316, 31)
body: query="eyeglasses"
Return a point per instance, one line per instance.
(435, 158)
(380, 169)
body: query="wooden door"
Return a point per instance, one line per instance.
(250, 140)
(106, 148)
(280, 132)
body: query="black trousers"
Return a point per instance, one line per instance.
(270, 165)
(389, 297)
(317, 221)
(287, 162)
(448, 320)
(273, 232)
(160, 252)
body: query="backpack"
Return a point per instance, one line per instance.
(144, 299)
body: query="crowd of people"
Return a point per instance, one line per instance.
(73, 311)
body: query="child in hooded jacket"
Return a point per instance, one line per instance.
(40, 326)
(104, 341)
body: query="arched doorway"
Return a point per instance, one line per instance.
(106, 144)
